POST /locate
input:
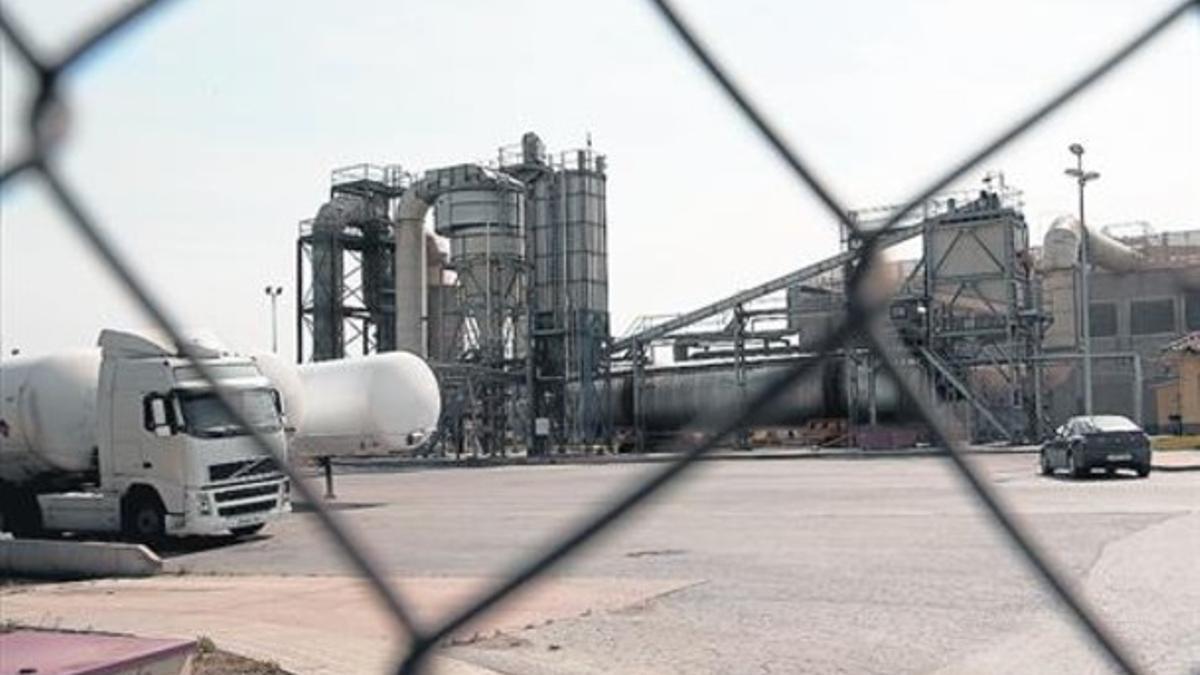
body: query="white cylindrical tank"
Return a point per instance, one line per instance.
(368, 405)
(48, 414)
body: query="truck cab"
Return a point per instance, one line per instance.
(169, 459)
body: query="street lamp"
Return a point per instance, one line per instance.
(273, 292)
(1081, 179)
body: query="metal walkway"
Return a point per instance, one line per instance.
(791, 279)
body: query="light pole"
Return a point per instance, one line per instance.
(273, 292)
(1081, 179)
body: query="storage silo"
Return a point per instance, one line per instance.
(481, 212)
(568, 248)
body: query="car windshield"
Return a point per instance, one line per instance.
(1109, 423)
(204, 416)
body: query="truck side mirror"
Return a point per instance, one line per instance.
(283, 416)
(157, 418)
(158, 409)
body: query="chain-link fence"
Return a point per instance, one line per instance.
(46, 126)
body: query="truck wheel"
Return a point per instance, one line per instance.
(1077, 468)
(1047, 469)
(20, 514)
(248, 530)
(144, 520)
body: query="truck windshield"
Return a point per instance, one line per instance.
(204, 416)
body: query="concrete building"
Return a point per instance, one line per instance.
(1177, 400)
(1142, 300)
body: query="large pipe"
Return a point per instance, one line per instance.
(328, 284)
(672, 399)
(1060, 248)
(411, 294)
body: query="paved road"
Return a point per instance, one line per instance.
(820, 566)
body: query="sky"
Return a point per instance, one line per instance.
(203, 135)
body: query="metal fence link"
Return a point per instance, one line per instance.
(47, 126)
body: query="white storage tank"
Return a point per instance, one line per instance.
(48, 414)
(367, 405)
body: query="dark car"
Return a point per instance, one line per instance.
(1098, 441)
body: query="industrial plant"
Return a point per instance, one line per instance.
(507, 298)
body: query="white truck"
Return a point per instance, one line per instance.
(129, 438)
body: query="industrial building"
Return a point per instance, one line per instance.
(1145, 295)
(507, 297)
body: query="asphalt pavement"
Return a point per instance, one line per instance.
(841, 565)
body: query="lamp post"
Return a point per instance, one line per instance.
(273, 292)
(1081, 179)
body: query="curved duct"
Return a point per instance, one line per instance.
(328, 281)
(1060, 248)
(410, 272)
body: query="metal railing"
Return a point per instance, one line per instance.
(47, 124)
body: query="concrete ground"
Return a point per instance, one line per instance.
(834, 565)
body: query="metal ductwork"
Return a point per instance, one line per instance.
(331, 222)
(1060, 248)
(411, 260)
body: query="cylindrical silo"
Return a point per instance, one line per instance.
(568, 247)
(482, 214)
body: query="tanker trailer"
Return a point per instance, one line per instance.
(129, 438)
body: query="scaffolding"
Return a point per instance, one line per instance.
(345, 265)
(967, 312)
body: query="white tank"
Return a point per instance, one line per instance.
(365, 405)
(48, 414)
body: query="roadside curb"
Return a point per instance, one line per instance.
(1175, 469)
(368, 464)
(76, 559)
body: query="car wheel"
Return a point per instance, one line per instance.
(1077, 468)
(145, 520)
(1047, 467)
(247, 531)
(1143, 470)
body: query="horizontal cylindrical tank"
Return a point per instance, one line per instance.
(671, 399)
(1060, 248)
(48, 415)
(367, 405)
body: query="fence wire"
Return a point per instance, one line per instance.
(47, 125)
